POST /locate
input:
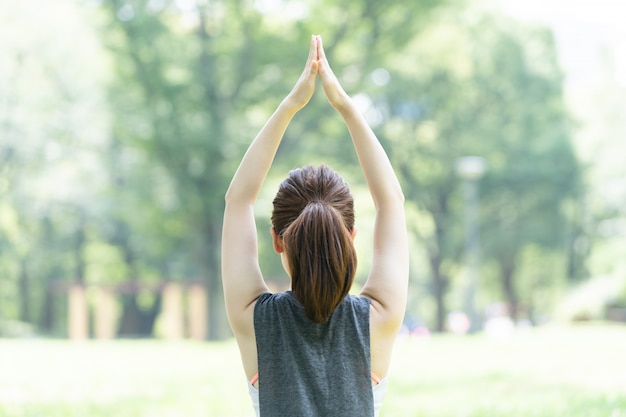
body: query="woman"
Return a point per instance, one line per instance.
(315, 350)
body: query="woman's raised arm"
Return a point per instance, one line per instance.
(387, 283)
(241, 275)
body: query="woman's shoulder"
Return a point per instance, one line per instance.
(356, 303)
(277, 298)
(359, 300)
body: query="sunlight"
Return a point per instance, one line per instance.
(284, 9)
(587, 33)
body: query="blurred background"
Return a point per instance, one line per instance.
(122, 122)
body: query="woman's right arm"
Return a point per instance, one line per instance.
(241, 274)
(387, 283)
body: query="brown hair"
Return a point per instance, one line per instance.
(314, 215)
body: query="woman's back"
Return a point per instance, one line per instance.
(313, 369)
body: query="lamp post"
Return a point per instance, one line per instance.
(470, 169)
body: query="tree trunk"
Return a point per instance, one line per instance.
(54, 272)
(218, 326)
(79, 258)
(130, 322)
(47, 317)
(24, 292)
(440, 286)
(507, 275)
(135, 321)
(441, 280)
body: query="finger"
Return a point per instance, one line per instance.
(322, 68)
(325, 70)
(312, 51)
(317, 43)
(321, 57)
(320, 50)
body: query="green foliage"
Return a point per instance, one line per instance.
(474, 84)
(126, 149)
(195, 85)
(51, 128)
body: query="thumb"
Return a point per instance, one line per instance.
(315, 66)
(322, 68)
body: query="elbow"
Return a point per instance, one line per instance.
(234, 196)
(394, 192)
(228, 197)
(237, 203)
(241, 193)
(400, 195)
(393, 197)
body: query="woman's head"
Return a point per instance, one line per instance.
(314, 217)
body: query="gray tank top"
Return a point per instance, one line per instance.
(309, 369)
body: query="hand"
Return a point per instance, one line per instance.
(335, 94)
(304, 88)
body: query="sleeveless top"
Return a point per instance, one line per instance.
(379, 389)
(309, 369)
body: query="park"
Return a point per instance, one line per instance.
(556, 371)
(122, 123)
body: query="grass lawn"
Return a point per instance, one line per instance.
(554, 371)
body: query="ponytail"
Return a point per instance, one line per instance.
(322, 260)
(314, 215)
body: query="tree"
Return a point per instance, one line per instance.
(50, 131)
(490, 87)
(194, 83)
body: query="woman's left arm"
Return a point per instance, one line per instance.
(241, 275)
